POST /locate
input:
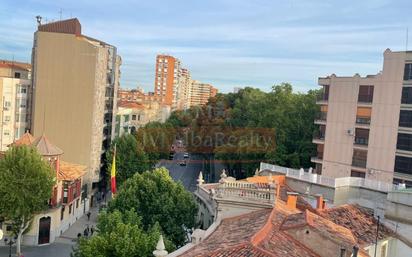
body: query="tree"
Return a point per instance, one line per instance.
(121, 235)
(157, 198)
(130, 157)
(26, 183)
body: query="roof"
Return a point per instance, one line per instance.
(45, 148)
(25, 139)
(129, 104)
(15, 65)
(325, 227)
(70, 26)
(254, 234)
(70, 171)
(359, 220)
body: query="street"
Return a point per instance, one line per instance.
(188, 174)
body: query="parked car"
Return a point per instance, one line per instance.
(182, 163)
(186, 155)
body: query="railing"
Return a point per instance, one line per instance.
(319, 135)
(326, 181)
(361, 163)
(361, 140)
(365, 98)
(246, 191)
(363, 120)
(322, 97)
(321, 116)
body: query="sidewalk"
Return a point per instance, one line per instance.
(62, 246)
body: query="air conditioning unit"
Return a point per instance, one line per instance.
(350, 132)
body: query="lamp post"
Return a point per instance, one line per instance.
(10, 241)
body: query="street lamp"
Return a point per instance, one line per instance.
(9, 241)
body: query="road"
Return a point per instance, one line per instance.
(188, 174)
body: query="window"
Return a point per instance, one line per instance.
(406, 95)
(357, 174)
(65, 192)
(7, 133)
(23, 90)
(77, 203)
(404, 142)
(126, 118)
(7, 104)
(361, 136)
(365, 94)
(359, 158)
(70, 208)
(408, 72)
(405, 119)
(6, 118)
(403, 165)
(363, 115)
(17, 75)
(133, 117)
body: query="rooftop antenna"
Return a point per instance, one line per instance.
(61, 13)
(38, 18)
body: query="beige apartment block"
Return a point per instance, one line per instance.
(15, 97)
(75, 83)
(365, 123)
(200, 93)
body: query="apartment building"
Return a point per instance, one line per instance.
(167, 79)
(184, 90)
(200, 93)
(75, 82)
(365, 123)
(15, 96)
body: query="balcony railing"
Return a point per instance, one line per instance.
(363, 120)
(321, 116)
(361, 141)
(320, 135)
(365, 98)
(361, 163)
(322, 97)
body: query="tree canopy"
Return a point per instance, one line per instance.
(130, 157)
(26, 183)
(156, 198)
(121, 235)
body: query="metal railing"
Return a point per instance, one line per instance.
(363, 120)
(361, 140)
(361, 163)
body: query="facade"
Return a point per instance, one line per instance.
(262, 216)
(200, 93)
(75, 82)
(167, 79)
(15, 95)
(67, 203)
(365, 124)
(131, 115)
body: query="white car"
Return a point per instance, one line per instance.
(186, 155)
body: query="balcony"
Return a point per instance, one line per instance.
(318, 158)
(320, 118)
(319, 137)
(322, 98)
(360, 163)
(361, 141)
(363, 120)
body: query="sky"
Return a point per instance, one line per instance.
(228, 43)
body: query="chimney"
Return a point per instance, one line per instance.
(355, 251)
(291, 201)
(320, 202)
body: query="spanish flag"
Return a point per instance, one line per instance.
(113, 172)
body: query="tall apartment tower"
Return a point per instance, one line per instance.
(75, 82)
(15, 97)
(184, 90)
(365, 123)
(167, 79)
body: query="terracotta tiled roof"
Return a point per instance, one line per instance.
(129, 104)
(70, 26)
(70, 171)
(337, 233)
(15, 65)
(25, 139)
(359, 220)
(45, 148)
